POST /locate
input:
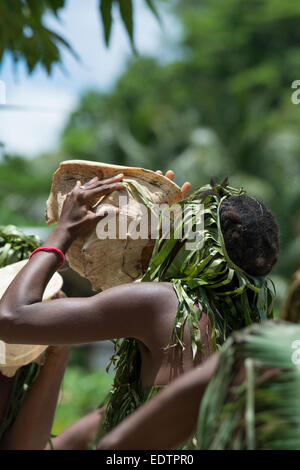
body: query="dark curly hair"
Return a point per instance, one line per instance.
(251, 234)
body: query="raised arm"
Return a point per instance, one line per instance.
(32, 426)
(122, 311)
(169, 419)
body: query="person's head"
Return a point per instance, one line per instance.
(250, 233)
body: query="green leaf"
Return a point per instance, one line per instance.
(263, 411)
(152, 7)
(55, 5)
(106, 15)
(126, 11)
(15, 245)
(60, 39)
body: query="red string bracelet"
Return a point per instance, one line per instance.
(49, 249)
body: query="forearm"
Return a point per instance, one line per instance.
(76, 217)
(79, 435)
(29, 285)
(167, 420)
(32, 426)
(25, 319)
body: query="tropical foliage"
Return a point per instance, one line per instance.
(24, 31)
(15, 245)
(261, 411)
(221, 107)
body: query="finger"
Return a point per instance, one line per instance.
(103, 190)
(93, 180)
(77, 186)
(170, 174)
(99, 183)
(159, 172)
(185, 189)
(114, 179)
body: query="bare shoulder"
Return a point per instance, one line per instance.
(138, 307)
(142, 294)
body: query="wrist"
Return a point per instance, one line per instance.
(61, 237)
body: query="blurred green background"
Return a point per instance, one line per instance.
(82, 391)
(219, 106)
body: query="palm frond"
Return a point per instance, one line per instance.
(261, 413)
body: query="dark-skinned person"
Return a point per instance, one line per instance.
(30, 375)
(245, 397)
(175, 317)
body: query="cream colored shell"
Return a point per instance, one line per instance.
(13, 356)
(106, 262)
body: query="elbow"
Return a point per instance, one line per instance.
(7, 323)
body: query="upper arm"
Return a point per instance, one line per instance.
(129, 310)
